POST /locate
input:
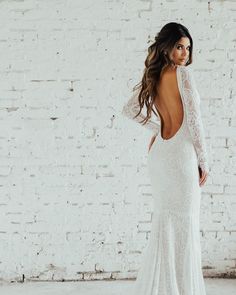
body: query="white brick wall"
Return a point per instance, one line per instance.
(75, 195)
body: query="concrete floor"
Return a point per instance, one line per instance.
(122, 287)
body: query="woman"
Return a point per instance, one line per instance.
(177, 165)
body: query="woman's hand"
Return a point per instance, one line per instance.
(202, 176)
(151, 142)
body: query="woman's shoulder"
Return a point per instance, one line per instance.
(169, 73)
(187, 72)
(187, 68)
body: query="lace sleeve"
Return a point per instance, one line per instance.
(131, 108)
(194, 119)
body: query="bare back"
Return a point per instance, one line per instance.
(169, 104)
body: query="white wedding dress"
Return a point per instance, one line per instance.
(171, 264)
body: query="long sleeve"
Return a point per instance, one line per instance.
(131, 108)
(194, 119)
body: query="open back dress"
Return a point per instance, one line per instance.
(171, 264)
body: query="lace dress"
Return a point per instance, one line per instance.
(171, 263)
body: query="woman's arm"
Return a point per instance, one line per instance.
(194, 119)
(131, 108)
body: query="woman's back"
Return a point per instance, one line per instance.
(178, 98)
(168, 103)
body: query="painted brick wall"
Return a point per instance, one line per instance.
(76, 200)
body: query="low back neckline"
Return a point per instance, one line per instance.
(179, 85)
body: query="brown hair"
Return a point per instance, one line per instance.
(156, 60)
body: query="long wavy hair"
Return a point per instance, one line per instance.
(157, 60)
